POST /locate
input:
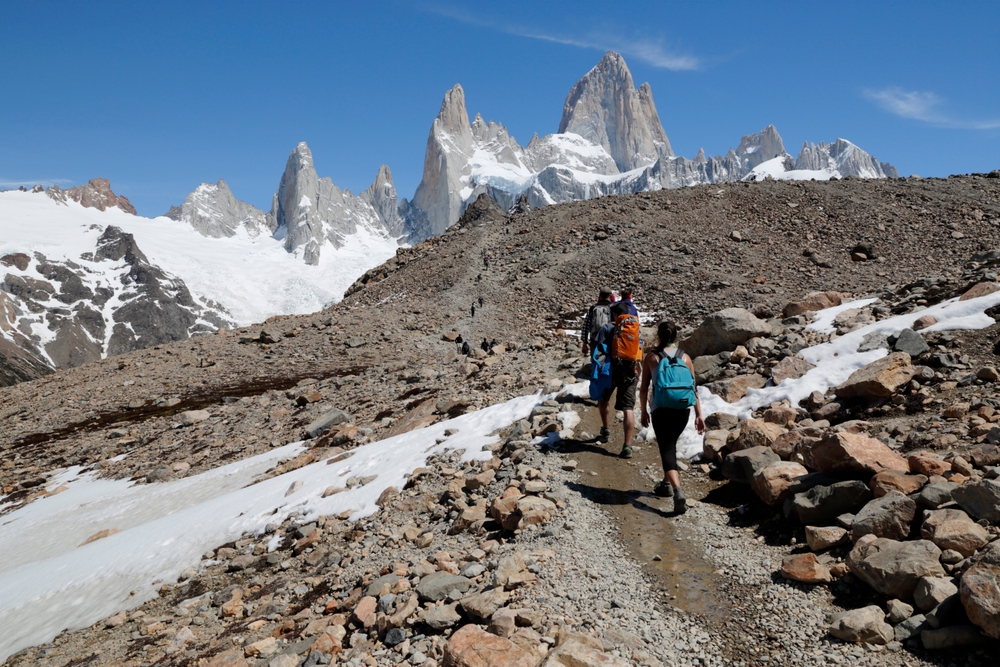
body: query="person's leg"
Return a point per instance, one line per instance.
(604, 407)
(629, 426)
(626, 381)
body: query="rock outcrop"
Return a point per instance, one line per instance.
(213, 211)
(96, 193)
(605, 108)
(311, 212)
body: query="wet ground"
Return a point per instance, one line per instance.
(647, 524)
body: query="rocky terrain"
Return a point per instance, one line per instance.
(547, 546)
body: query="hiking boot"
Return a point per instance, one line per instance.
(663, 489)
(626, 452)
(680, 502)
(605, 434)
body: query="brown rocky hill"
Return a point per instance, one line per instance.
(387, 356)
(686, 252)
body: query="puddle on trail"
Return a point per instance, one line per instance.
(647, 525)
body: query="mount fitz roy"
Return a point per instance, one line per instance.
(83, 277)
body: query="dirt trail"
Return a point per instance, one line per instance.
(647, 524)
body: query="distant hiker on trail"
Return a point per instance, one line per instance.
(671, 372)
(479, 277)
(466, 350)
(625, 296)
(625, 348)
(480, 302)
(494, 343)
(485, 345)
(598, 315)
(473, 309)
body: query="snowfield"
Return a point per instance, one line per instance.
(252, 278)
(50, 580)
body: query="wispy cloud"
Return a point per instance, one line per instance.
(650, 51)
(41, 181)
(924, 106)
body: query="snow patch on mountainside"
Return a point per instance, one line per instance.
(251, 276)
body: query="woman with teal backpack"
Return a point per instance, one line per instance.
(671, 373)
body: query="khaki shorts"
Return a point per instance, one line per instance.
(624, 380)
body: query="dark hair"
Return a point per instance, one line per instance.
(618, 309)
(666, 333)
(625, 293)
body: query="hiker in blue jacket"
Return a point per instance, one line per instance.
(671, 406)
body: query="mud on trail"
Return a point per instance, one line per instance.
(647, 524)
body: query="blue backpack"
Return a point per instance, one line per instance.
(673, 386)
(600, 371)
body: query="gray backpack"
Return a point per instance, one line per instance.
(600, 314)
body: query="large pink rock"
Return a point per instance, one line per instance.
(980, 591)
(471, 646)
(853, 453)
(772, 483)
(811, 302)
(879, 379)
(805, 568)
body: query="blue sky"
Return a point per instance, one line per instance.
(160, 97)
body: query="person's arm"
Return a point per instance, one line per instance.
(699, 422)
(647, 375)
(585, 332)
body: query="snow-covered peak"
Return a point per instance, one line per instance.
(213, 211)
(755, 149)
(605, 108)
(845, 158)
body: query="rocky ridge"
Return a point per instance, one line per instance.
(387, 355)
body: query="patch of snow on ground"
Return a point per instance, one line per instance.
(49, 581)
(836, 360)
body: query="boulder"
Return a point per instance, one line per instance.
(896, 480)
(912, 626)
(437, 585)
(773, 482)
(714, 444)
(575, 650)
(866, 625)
(927, 465)
(980, 499)
(889, 516)
(822, 504)
(980, 590)
(326, 421)
(985, 455)
(893, 568)
(790, 368)
(442, 616)
(781, 415)
(805, 568)
(953, 529)
(897, 611)
(853, 453)
(723, 331)
(934, 495)
(823, 537)
(932, 591)
(741, 466)
(733, 389)
(910, 342)
(979, 289)
(788, 444)
(878, 380)
(756, 433)
(811, 302)
(471, 646)
(708, 367)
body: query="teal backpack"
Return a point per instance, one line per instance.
(673, 386)
(600, 371)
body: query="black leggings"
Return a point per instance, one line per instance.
(668, 424)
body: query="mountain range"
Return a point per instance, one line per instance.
(84, 277)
